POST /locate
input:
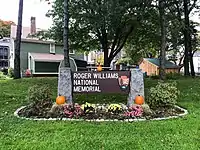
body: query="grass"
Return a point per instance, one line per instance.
(19, 134)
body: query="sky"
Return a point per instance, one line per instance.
(35, 8)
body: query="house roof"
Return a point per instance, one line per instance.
(196, 54)
(25, 31)
(34, 40)
(156, 62)
(47, 57)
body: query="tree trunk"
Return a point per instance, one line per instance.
(190, 50)
(17, 69)
(186, 39)
(106, 60)
(163, 39)
(192, 65)
(66, 34)
(105, 47)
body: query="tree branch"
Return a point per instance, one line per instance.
(115, 40)
(179, 11)
(119, 47)
(99, 36)
(192, 6)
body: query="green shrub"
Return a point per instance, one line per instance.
(163, 95)
(11, 72)
(173, 76)
(169, 76)
(2, 76)
(39, 93)
(154, 77)
(5, 71)
(40, 101)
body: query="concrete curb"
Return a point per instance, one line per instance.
(100, 120)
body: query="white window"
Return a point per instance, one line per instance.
(11, 56)
(52, 48)
(199, 69)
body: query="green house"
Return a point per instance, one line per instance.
(42, 57)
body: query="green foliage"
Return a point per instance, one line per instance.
(115, 108)
(88, 108)
(163, 95)
(2, 76)
(38, 93)
(146, 109)
(5, 27)
(173, 76)
(154, 77)
(39, 99)
(11, 72)
(146, 39)
(169, 76)
(96, 25)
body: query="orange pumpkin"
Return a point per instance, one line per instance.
(99, 68)
(60, 100)
(139, 100)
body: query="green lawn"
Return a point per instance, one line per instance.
(180, 134)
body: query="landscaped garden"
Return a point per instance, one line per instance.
(181, 133)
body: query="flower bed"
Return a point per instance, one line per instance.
(162, 100)
(89, 111)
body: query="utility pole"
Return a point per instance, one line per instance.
(17, 74)
(163, 39)
(66, 34)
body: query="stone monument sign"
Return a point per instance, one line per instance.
(127, 82)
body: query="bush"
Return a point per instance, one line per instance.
(154, 77)
(40, 101)
(2, 76)
(39, 93)
(115, 108)
(11, 72)
(173, 76)
(169, 76)
(163, 95)
(5, 71)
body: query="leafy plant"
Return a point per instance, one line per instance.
(115, 108)
(173, 76)
(88, 108)
(146, 109)
(101, 108)
(40, 101)
(38, 93)
(2, 76)
(163, 95)
(72, 111)
(11, 72)
(134, 111)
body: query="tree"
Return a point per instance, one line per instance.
(182, 10)
(18, 42)
(98, 24)
(187, 33)
(145, 42)
(5, 28)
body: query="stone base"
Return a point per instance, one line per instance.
(136, 85)
(65, 83)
